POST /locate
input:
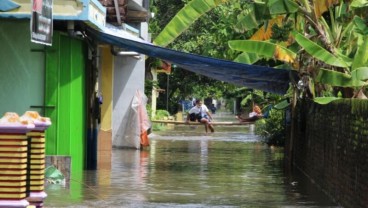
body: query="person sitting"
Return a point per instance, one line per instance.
(253, 116)
(201, 114)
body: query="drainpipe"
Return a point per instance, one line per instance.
(94, 113)
(118, 18)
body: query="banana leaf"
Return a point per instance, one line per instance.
(246, 100)
(361, 56)
(361, 26)
(318, 52)
(260, 12)
(282, 6)
(360, 74)
(282, 105)
(284, 66)
(339, 79)
(333, 78)
(270, 50)
(325, 100)
(184, 18)
(247, 58)
(257, 14)
(359, 3)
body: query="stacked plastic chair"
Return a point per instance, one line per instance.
(37, 157)
(14, 158)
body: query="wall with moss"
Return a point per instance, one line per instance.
(330, 144)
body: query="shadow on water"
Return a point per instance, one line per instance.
(184, 167)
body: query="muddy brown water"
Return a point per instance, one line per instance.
(184, 167)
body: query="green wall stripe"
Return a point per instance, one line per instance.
(65, 86)
(65, 101)
(51, 93)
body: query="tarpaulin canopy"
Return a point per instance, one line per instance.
(7, 5)
(256, 77)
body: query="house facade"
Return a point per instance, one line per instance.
(81, 84)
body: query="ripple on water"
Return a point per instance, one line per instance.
(186, 168)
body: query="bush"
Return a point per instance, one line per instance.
(160, 115)
(272, 129)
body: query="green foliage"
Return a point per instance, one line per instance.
(256, 96)
(164, 10)
(325, 100)
(281, 33)
(343, 79)
(247, 58)
(149, 111)
(260, 11)
(207, 36)
(160, 115)
(183, 85)
(148, 85)
(262, 48)
(183, 19)
(318, 52)
(272, 129)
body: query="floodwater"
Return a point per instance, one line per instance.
(184, 167)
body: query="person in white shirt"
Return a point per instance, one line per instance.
(201, 114)
(253, 116)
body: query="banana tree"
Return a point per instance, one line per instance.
(324, 44)
(184, 19)
(355, 44)
(253, 17)
(342, 53)
(332, 51)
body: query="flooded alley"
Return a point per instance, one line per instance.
(184, 167)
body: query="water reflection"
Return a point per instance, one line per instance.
(188, 168)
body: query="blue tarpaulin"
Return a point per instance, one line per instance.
(7, 5)
(256, 77)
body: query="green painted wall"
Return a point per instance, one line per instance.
(34, 74)
(65, 94)
(22, 66)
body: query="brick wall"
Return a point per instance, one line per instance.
(330, 144)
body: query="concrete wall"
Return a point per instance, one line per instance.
(330, 145)
(128, 78)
